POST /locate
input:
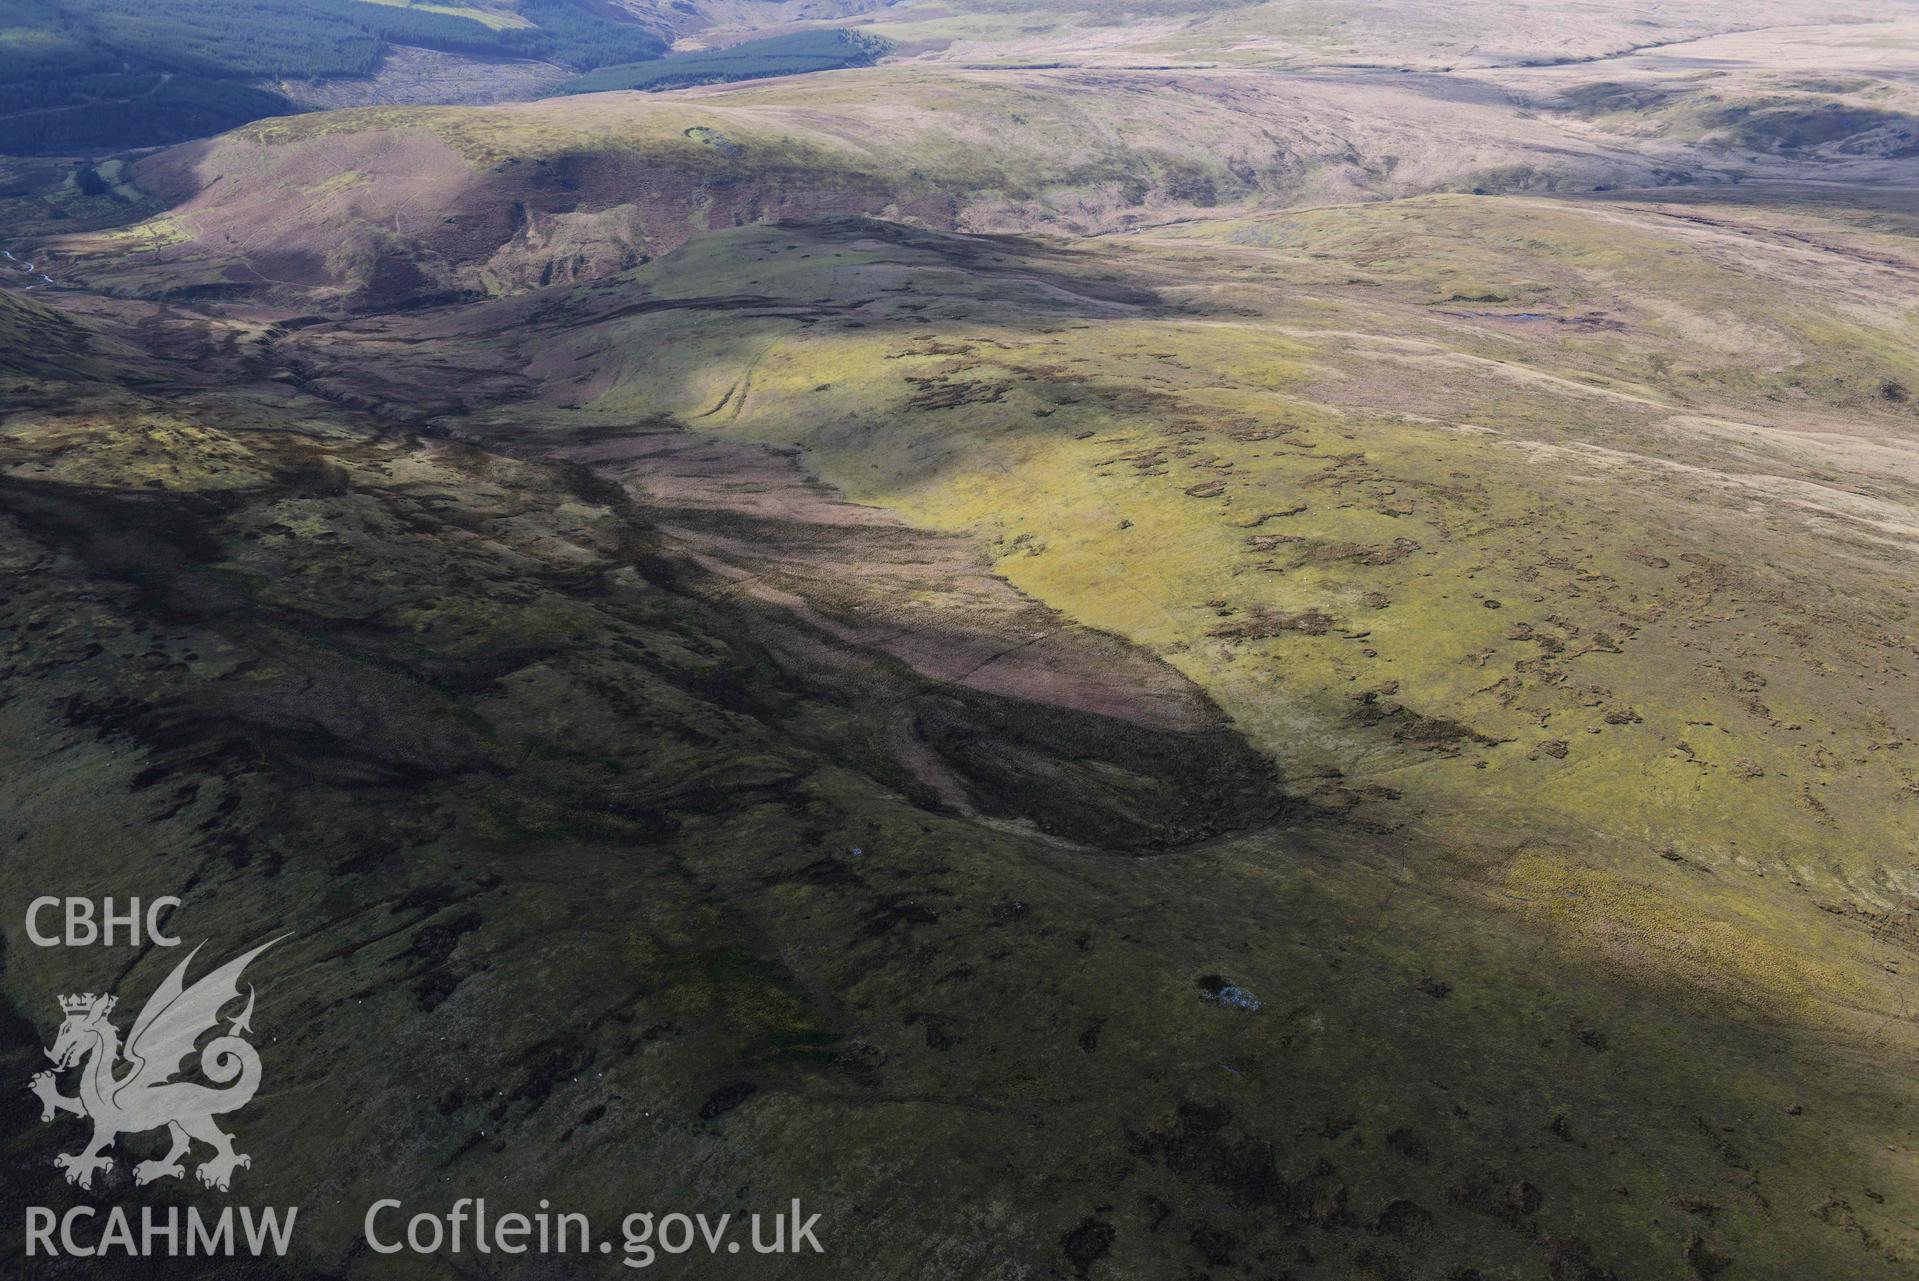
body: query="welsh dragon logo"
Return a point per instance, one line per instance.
(145, 1096)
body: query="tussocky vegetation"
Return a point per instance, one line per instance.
(1208, 640)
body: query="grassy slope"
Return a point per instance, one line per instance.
(1492, 445)
(1616, 992)
(1644, 804)
(1467, 1048)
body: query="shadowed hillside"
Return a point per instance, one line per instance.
(1269, 670)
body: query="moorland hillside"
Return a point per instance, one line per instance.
(1278, 668)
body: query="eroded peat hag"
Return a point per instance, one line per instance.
(1226, 639)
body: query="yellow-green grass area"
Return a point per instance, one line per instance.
(1600, 613)
(1424, 1088)
(1176, 471)
(154, 253)
(1547, 617)
(1491, 1004)
(1772, 311)
(1524, 1071)
(1517, 1100)
(160, 231)
(135, 446)
(495, 19)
